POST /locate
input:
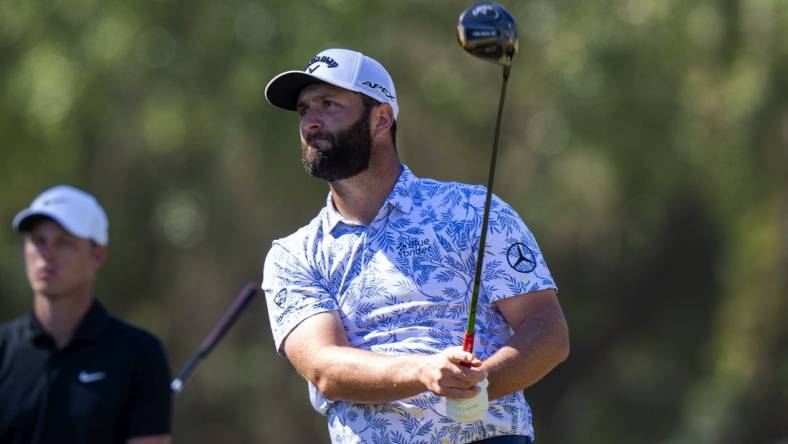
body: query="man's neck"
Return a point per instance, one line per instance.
(359, 198)
(60, 316)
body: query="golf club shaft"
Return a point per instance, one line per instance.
(221, 327)
(470, 328)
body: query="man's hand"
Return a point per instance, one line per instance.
(469, 410)
(444, 374)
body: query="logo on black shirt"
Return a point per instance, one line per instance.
(87, 378)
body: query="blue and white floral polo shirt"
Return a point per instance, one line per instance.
(402, 285)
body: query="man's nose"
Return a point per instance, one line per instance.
(311, 121)
(46, 250)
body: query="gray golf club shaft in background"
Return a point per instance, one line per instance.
(221, 327)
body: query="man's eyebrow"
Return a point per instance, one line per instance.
(317, 97)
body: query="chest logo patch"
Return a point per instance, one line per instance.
(87, 378)
(280, 297)
(413, 247)
(521, 258)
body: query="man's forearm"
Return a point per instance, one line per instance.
(351, 374)
(318, 348)
(537, 346)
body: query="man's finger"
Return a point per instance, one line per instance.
(465, 373)
(459, 357)
(459, 393)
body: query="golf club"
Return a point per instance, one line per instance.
(488, 31)
(221, 327)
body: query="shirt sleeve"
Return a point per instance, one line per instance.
(294, 291)
(513, 262)
(151, 399)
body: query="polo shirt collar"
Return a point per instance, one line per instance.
(399, 198)
(92, 325)
(88, 330)
(35, 333)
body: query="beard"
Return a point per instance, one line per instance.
(348, 154)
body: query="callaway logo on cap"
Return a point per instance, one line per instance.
(346, 69)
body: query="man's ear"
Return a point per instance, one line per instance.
(99, 255)
(382, 119)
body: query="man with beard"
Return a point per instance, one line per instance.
(369, 300)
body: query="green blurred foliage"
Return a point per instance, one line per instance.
(645, 142)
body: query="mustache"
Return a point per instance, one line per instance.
(320, 135)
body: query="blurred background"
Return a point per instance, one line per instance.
(645, 142)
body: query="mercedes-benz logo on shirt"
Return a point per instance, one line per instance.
(280, 297)
(521, 258)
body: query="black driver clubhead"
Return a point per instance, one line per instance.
(488, 31)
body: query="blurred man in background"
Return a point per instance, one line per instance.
(369, 300)
(69, 371)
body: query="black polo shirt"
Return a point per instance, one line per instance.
(109, 383)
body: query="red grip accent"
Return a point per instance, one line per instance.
(467, 345)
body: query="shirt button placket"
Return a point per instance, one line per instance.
(50, 377)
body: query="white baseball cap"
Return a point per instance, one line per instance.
(76, 211)
(344, 68)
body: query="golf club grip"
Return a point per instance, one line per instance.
(467, 345)
(221, 327)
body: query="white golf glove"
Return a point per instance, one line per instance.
(469, 410)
